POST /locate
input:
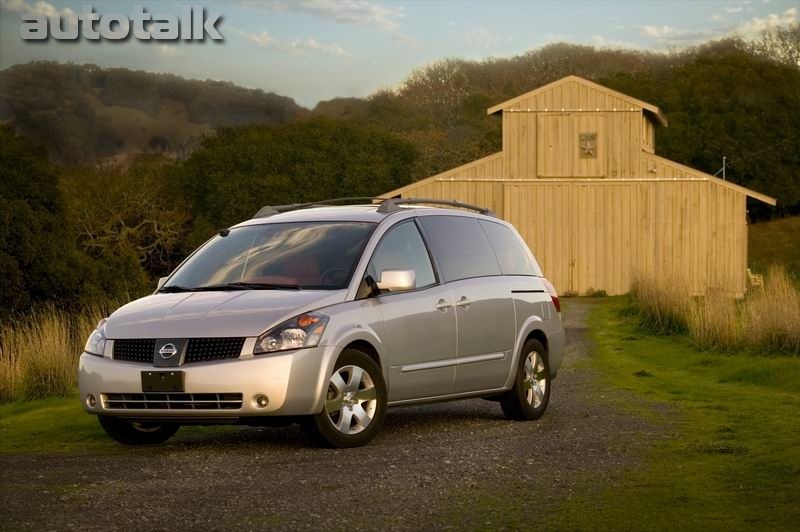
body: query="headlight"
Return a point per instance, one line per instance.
(303, 331)
(96, 344)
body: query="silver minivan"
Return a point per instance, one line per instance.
(327, 315)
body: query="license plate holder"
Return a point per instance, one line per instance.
(163, 381)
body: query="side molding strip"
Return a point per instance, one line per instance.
(451, 362)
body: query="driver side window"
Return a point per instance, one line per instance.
(402, 248)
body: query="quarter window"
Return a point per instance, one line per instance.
(460, 246)
(402, 248)
(512, 258)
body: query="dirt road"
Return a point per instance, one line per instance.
(451, 465)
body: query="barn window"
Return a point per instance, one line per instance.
(588, 145)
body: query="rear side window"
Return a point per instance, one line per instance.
(510, 254)
(460, 246)
(402, 248)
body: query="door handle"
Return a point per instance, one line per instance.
(443, 305)
(463, 302)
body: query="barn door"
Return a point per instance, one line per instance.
(571, 145)
(553, 154)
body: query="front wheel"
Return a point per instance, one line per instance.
(355, 403)
(135, 433)
(528, 398)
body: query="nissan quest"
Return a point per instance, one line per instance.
(327, 315)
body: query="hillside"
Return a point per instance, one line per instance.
(84, 112)
(730, 98)
(775, 242)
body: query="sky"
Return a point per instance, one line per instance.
(314, 50)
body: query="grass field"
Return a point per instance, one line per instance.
(775, 242)
(56, 425)
(734, 460)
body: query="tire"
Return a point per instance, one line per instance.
(355, 404)
(526, 401)
(134, 433)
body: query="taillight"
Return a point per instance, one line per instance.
(553, 294)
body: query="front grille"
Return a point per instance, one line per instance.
(135, 349)
(173, 401)
(205, 349)
(198, 350)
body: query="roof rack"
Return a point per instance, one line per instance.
(270, 210)
(393, 205)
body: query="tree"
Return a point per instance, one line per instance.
(238, 170)
(124, 216)
(781, 43)
(38, 259)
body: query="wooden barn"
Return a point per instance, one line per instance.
(579, 177)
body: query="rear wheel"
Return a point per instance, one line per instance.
(135, 433)
(529, 396)
(355, 403)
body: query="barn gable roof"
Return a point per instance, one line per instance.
(769, 200)
(651, 109)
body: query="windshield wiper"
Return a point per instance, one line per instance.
(246, 286)
(174, 289)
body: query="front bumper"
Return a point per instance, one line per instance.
(294, 382)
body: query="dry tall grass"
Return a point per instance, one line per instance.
(714, 322)
(39, 354)
(772, 315)
(664, 303)
(767, 320)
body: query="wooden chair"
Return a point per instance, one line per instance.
(755, 279)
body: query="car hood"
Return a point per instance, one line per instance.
(214, 314)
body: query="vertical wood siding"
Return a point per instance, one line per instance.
(486, 168)
(482, 192)
(540, 134)
(597, 234)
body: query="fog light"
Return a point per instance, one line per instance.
(261, 400)
(91, 402)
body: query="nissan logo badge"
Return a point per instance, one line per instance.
(167, 351)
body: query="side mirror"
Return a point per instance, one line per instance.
(397, 280)
(161, 282)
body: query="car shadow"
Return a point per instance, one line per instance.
(402, 423)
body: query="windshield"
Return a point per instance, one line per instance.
(313, 255)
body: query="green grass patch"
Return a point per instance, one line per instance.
(734, 460)
(59, 425)
(56, 425)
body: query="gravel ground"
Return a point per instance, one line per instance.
(449, 465)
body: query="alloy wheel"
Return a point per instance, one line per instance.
(351, 400)
(535, 379)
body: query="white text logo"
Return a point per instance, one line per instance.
(193, 25)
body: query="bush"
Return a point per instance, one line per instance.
(592, 292)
